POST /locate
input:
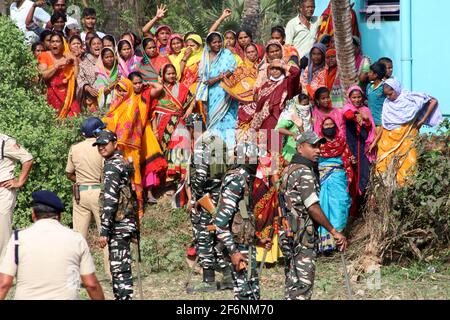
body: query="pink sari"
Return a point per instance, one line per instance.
(336, 114)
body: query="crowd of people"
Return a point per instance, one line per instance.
(161, 92)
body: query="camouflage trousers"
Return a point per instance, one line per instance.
(120, 265)
(205, 241)
(245, 288)
(300, 264)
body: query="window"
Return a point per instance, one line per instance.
(389, 10)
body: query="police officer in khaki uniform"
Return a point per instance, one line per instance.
(84, 168)
(48, 259)
(10, 153)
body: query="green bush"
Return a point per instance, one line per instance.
(25, 115)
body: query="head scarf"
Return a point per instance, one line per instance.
(406, 107)
(102, 73)
(372, 131)
(331, 72)
(337, 148)
(127, 66)
(173, 37)
(164, 26)
(311, 68)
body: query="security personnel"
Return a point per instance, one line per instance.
(48, 259)
(235, 222)
(10, 153)
(84, 168)
(118, 214)
(208, 166)
(298, 235)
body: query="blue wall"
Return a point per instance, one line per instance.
(431, 63)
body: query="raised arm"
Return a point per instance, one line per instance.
(226, 13)
(160, 14)
(29, 20)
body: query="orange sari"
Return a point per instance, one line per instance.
(61, 87)
(127, 117)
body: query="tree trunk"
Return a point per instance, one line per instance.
(250, 17)
(112, 20)
(342, 23)
(2, 7)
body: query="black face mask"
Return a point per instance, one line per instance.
(329, 132)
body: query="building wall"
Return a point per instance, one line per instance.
(431, 64)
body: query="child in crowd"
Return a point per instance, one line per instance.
(295, 119)
(374, 92)
(89, 21)
(389, 67)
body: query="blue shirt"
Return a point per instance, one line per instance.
(375, 98)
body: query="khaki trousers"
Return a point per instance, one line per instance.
(7, 205)
(82, 214)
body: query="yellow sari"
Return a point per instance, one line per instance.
(397, 145)
(127, 117)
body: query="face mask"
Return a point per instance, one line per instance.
(329, 132)
(277, 79)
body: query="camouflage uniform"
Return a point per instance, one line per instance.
(236, 233)
(117, 176)
(206, 178)
(300, 186)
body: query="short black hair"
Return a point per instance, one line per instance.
(280, 30)
(58, 15)
(45, 34)
(89, 12)
(210, 38)
(43, 211)
(302, 97)
(135, 74)
(35, 45)
(379, 68)
(247, 32)
(109, 38)
(385, 60)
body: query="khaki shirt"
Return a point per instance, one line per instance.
(85, 161)
(10, 153)
(51, 259)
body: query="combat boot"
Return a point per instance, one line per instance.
(227, 280)
(209, 282)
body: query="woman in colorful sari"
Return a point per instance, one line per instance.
(153, 163)
(240, 86)
(403, 115)
(175, 103)
(127, 58)
(176, 44)
(335, 177)
(361, 132)
(220, 108)
(59, 71)
(333, 80)
(152, 62)
(86, 77)
(162, 35)
(244, 38)
(324, 109)
(107, 76)
(126, 120)
(315, 75)
(281, 86)
(290, 53)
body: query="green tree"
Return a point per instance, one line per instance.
(25, 115)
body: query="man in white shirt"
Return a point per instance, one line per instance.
(60, 5)
(301, 31)
(89, 20)
(19, 10)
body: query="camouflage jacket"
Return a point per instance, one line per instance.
(232, 192)
(208, 164)
(301, 187)
(116, 175)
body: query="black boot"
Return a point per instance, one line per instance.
(227, 280)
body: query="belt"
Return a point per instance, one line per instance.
(87, 187)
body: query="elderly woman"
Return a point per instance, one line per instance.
(404, 113)
(59, 70)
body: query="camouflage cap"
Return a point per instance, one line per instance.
(105, 137)
(309, 137)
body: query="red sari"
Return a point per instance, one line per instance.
(272, 97)
(61, 87)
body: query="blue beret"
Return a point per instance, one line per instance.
(48, 198)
